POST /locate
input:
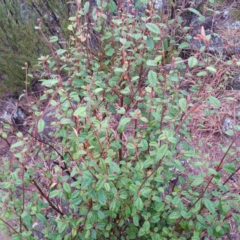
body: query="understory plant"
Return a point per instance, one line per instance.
(108, 152)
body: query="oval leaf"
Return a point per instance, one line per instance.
(53, 39)
(183, 104)
(153, 28)
(138, 203)
(192, 61)
(86, 7)
(152, 78)
(197, 181)
(209, 205)
(183, 45)
(214, 101)
(61, 51)
(81, 111)
(193, 10)
(41, 125)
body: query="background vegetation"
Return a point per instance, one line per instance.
(19, 40)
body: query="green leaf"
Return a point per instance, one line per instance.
(197, 181)
(212, 171)
(236, 217)
(98, 90)
(209, 205)
(153, 28)
(229, 168)
(174, 77)
(41, 217)
(151, 63)
(114, 167)
(183, 104)
(144, 119)
(165, 44)
(41, 125)
(123, 124)
(61, 51)
(193, 10)
(62, 225)
(136, 220)
(54, 193)
(17, 144)
(121, 70)
(86, 7)
(174, 215)
(123, 41)
(152, 78)
(112, 109)
(74, 96)
(146, 226)
(145, 191)
(112, 6)
(66, 187)
(201, 220)
(226, 208)
(161, 152)
(130, 146)
(202, 74)
(107, 186)
(218, 228)
(138, 203)
(183, 45)
(144, 144)
(102, 199)
(65, 121)
(72, 19)
(214, 101)
(150, 43)
(211, 69)
(49, 82)
(99, 184)
(80, 111)
(192, 62)
(185, 214)
(53, 39)
(125, 91)
(237, 127)
(172, 139)
(110, 52)
(70, 27)
(86, 182)
(229, 132)
(101, 214)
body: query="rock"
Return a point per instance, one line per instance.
(227, 124)
(19, 117)
(225, 14)
(37, 228)
(233, 25)
(234, 84)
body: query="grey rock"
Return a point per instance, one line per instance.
(227, 124)
(233, 25)
(225, 14)
(37, 228)
(234, 84)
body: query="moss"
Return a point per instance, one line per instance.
(20, 42)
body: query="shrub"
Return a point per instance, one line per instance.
(117, 161)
